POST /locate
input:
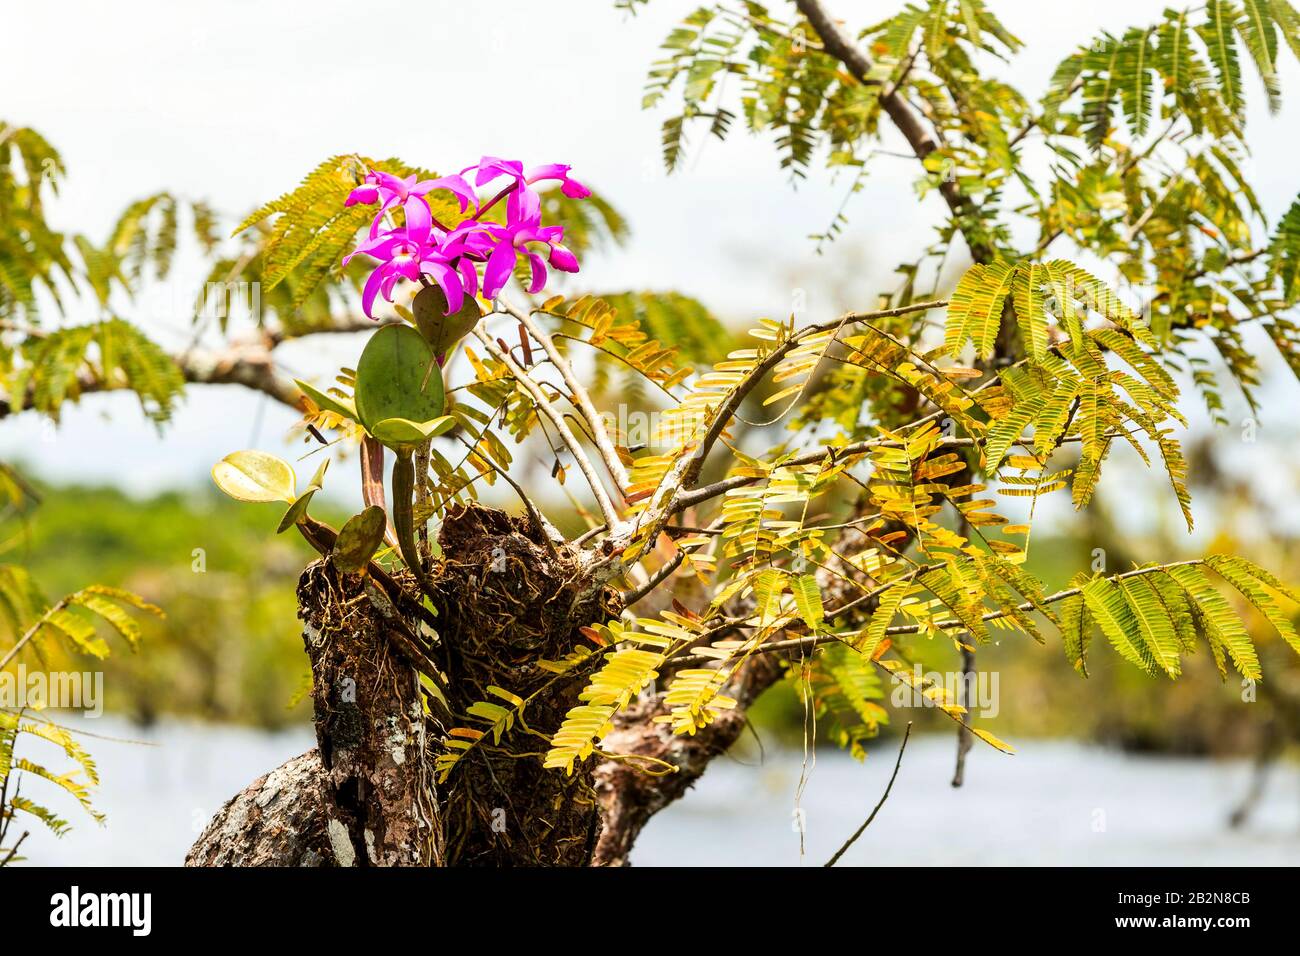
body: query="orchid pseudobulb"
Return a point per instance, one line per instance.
(424, 250)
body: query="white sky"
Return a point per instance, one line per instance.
(234, 101)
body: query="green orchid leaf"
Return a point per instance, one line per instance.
(359, 539)
(296, 511)
(401, 431)
(398, 378)
(442, 332)
(327, 402)
(318, 479)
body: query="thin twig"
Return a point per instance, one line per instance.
(581, 398)
(964, 742)
(561, 426)
(723, 485)
(687, 471)
(13, 851)
(656, 579)
(883, 797)
(587, 535)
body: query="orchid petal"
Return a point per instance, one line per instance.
(539, 273)
(362, 194)
(380, 247)
(370, 291)
(524, 206)
(410, 269)
(499, 267)
(549, 171)
(456, 184)
(574, 189)
(469, 276)
(390, 182)
(419, 221)
(562, 258)
(449, 281)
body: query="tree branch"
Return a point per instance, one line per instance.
(841, 46)
(815, 640)
(249, 366)
(683, 475)
(659, 577)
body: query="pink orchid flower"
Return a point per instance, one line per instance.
(513, 240)
(421, 249)
(524, 203)
(408, 254)
(389, 191)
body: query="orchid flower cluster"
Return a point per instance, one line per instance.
(451, 256)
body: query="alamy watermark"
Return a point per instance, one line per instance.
(977, 691)
(62, 690)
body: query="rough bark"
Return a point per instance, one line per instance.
(376, 765)
(507, 598)
(277, 820)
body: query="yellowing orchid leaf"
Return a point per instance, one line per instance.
(255, 476)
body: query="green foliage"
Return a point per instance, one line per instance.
(1169, 209)
(651, 337)
(49, 369)
(1091, 373)
(15, 770)
(41, 368)
(311, 229)
(32, 255)
(1284, 256)
(631, 666)
(843, 689)
(398, 381)
(1193, 58)
(876, 527)
(70, 621)
(498, 720)
(146, 237)
(1069, 390)
(230, 647)
(218, 621)
(359, 539)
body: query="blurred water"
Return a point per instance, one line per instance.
(1052, 803)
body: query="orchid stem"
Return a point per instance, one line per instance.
(496, 199)
(404, 518)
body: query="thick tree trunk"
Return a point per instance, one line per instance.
(377, 767)
(277, 820)
(510, 596)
